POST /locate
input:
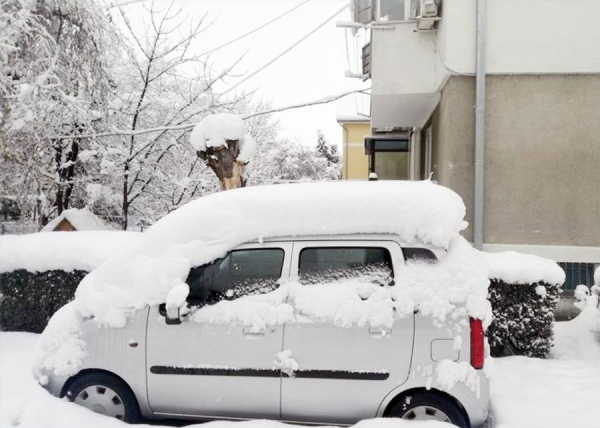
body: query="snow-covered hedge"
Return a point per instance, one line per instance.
(40, 272)
(28, 300)
(524, 291)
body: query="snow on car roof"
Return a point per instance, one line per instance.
(153, 269)
(208, 227)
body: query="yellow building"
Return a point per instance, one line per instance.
(355, 162)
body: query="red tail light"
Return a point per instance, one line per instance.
(477, 353)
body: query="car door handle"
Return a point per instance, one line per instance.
(250, 333)
(379, 332)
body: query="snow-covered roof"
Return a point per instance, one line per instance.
(347, 110)
(81, 219)
(518, 268)
(39, 252)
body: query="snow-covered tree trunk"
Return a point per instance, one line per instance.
(223, 162)
(221, 142)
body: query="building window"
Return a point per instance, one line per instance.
(389, 157)
(578, 273)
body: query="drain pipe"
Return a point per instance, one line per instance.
(479, 128)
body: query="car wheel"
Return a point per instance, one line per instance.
(429, 407)
(104, 394)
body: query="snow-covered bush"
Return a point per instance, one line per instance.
(524, 291)
(39, 272)
(28, 300)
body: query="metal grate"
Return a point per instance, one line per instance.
(578, 273)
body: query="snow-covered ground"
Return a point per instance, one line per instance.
(559, 392)
(526, 392)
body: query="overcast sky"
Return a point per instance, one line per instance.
(312, 70)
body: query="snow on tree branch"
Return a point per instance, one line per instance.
(324, 100)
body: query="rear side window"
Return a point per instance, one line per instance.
(419, 255)
(328, 264)
(239, 273)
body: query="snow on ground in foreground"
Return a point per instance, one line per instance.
(25, 404)
(554, 393)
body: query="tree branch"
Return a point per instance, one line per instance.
(324, 100)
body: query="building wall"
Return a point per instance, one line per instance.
(542, 183)
(355, 161)
(523, 36)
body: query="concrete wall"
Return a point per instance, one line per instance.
(355, 162)
(542, 156)
(523, 36)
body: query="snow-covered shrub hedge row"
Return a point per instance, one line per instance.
(524, 291)
(39, 272)
(28, 300)
(523, 316)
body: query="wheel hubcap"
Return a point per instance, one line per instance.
(426, 413)
(102, 399)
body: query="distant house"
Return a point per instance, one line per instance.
(9, 209)
(75, 219)
(355, 128)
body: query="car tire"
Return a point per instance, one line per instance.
(428, 406)
(105, 394)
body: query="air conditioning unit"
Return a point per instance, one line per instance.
(428, 9)
(428, 15)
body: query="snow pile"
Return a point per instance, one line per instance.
(153, 269)
(215, 130)
(580, 337)
(81, 219)
(453, 289)
(62, 350)
(207, 228)
(517, 268)
(68, 251)
(285, 362)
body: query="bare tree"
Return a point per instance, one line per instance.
(161, 92)
(50, 50)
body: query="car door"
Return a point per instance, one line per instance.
(343, 373)
(219, 369)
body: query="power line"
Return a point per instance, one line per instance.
(258, 28)
(255, 72)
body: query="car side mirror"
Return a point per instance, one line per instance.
(162, 310)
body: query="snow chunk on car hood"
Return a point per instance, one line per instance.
(207, 228)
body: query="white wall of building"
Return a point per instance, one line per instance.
(523, 36)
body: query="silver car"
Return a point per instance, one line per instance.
(163, 365)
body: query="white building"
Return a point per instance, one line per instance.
(541, 110)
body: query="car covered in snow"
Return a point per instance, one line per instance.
(311, 312)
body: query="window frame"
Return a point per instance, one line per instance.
(393, 247)
(286, 247)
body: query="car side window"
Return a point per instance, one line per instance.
(328, 264)
(419, 255)
(239, 273)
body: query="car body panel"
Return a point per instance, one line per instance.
(354, 374)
